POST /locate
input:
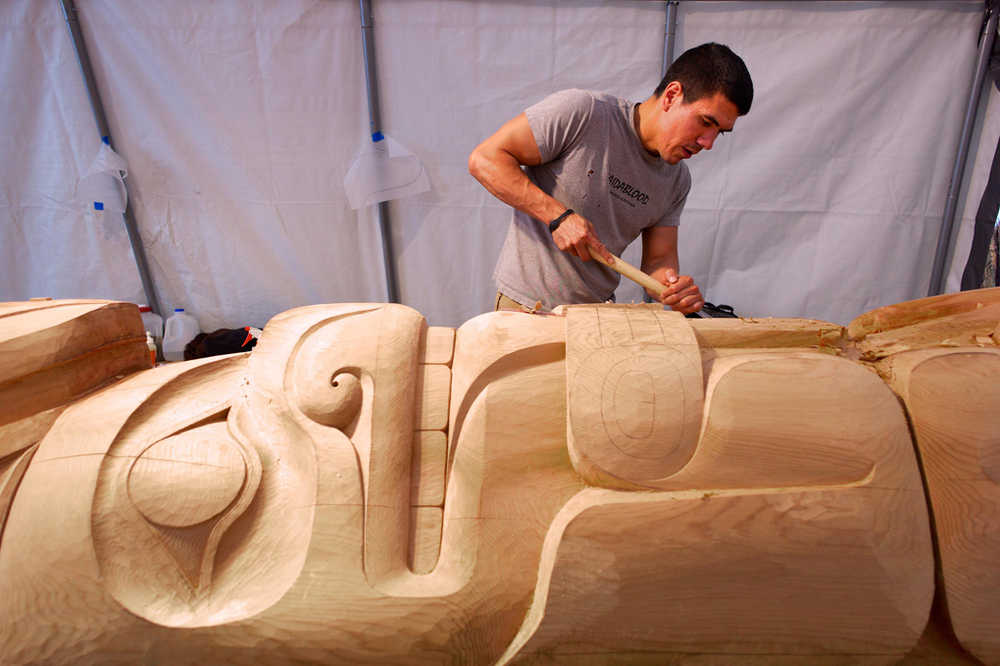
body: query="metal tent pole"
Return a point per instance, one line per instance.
(375, 125)
(669, 37)
(138, 252)
(951, 203)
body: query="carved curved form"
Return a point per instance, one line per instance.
(953, 313)
(272, 507)
(953, 397)
(181, 532)
(12, 470)
(189, 478)
(353, 377)
(793, 521)
(53, 352)
(635, 394)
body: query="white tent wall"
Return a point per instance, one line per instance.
(452, 73)
(239, 120)
(51, 244)
(827, 199)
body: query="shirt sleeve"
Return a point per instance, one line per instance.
(672, 216)
(557, 122)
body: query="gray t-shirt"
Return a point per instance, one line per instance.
(594, 162)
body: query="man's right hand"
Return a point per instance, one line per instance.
(575, 235)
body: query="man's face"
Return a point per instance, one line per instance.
(686, 128)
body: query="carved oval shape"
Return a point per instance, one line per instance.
(188, 478)
(628, 406)
(635, 404)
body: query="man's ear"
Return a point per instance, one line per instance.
(672, 94)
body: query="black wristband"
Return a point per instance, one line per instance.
(554, 224)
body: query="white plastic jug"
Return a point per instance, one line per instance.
(180, 330)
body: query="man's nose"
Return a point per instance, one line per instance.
(707, 139)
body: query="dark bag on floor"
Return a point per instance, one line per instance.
(219, 342)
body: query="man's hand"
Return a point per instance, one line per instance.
(575, 235)
(681, 294)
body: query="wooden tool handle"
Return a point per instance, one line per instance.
(631, 272)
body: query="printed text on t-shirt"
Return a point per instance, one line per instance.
(625, 192)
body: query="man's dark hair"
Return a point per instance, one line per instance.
(709, 69)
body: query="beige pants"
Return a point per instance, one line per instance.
(504, 303)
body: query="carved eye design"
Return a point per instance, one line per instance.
(189, 478)
(160, 516)
(335, 402)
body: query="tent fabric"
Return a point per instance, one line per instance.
(51, 243)
(239, 120)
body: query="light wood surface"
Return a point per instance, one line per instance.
(749, 567)
(429, 457)
(940, 356)
(53, 352)
(913, 312)
(953, 398)
(976, 327)
(607, 484)
(634, 388)
(438, 345)
(767, 333)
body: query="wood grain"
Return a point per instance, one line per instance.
(54, 352)
(635, 390)
(429, 458)
(433, 391)
(438, 344)
(974, 327)
(953, 398)
(925, 309)
(363, 488)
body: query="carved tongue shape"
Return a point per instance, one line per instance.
(387, 503)
(374, 353)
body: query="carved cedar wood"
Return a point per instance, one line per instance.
(52, 353)
(607, 484)
(940, 356)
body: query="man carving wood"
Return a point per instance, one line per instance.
(600, 171)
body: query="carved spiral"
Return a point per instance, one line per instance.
(334, 401)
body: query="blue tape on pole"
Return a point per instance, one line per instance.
(377, 136)
(98, 205)
(106, 140)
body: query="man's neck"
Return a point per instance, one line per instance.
(642, 117)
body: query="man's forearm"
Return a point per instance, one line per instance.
(500, 173)
(658, 266)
